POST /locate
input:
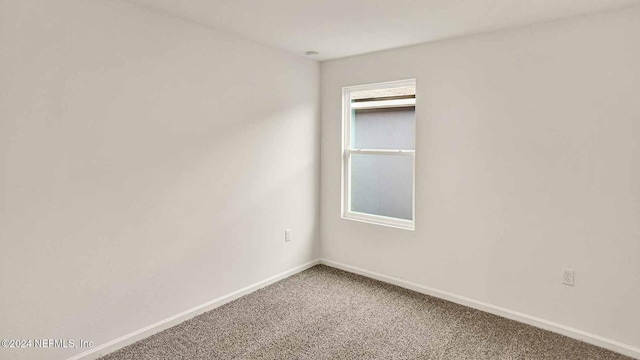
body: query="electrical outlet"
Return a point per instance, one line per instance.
(287, 235)
(568, 277)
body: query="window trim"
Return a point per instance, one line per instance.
(346, 153)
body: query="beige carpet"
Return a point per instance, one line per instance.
(324, 313)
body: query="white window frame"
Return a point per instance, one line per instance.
(347, 151)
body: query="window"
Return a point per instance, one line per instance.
(378, 153)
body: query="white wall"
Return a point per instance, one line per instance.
(149, 165)
(528, 160)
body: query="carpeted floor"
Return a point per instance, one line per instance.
(324, 313)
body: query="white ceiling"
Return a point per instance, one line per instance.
(338, 28)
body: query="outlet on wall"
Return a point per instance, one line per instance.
(287, 235)
(567, 277)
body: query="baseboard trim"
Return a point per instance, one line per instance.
(496, 310)
(140, 334)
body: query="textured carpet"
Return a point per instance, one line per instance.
(324, 313)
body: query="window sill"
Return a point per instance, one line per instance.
(380, 220)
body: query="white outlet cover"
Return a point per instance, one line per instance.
(287, 235)
(568, 277)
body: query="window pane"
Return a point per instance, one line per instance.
(382, 185)
(384, 128)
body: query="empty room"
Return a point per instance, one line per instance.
(319, 179)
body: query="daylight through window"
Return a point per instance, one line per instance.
(379, 153)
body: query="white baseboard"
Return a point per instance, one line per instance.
(496, 310)
(140, 334)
